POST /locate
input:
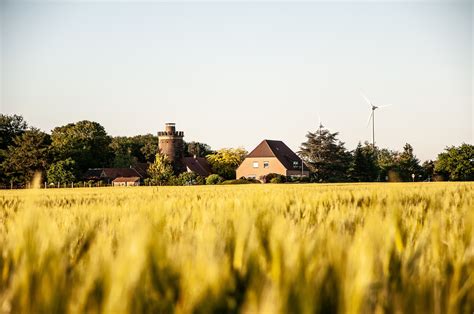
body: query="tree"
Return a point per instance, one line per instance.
(326, 156)
(28, 154)
(225, 161)
(124, 151)
(61, 172)
(364, 164)
(408, 164)
(428, 168)
(10, 127)
(85, 142)
(160, 171)
(148, 147)
(456, 163)
(197, 149)
(387, 161)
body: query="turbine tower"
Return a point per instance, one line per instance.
(372, 116)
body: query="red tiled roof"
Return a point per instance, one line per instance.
(278, 149)
(198, 165)
(126, 179)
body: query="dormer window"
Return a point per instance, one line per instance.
(296, 164)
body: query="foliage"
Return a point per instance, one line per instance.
(214, 179)
(160, 171)
(326, 156)
(387, 161)
(189, 178)
(10, 127)
(225, 161)
(408, 164)
(457, 163)
(364, 164)
(28, 154)
(365, 248)
(197, 149)
(274, 178)
(61, 171)
(85, 142)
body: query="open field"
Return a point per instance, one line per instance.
(367, 248)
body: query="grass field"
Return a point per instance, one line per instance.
(367, 248)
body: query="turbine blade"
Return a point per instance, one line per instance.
(385, 106)
(370, 117)
(366, 99)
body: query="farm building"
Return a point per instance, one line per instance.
(126, 181)
(271, 157)
(108, 175)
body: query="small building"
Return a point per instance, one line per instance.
(271, 157)
(108, 175)
(198, 165)
(126, 181)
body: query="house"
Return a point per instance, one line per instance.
(108, 175)
(126, 181)
(198, 165)
(271, 157)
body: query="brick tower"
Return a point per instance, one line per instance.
(170, 143)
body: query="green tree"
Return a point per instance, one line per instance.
(326, 156)
(61, 172)
(387, 161)
(225, 161)
(161, 170)
(124, 150)
(456, 163)
(364, 164)
(28, 154)
(10, 127)
(408, 164)
(428, 168)
(197, 149)
(148, 147)
(86, 142)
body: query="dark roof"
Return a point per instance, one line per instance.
(141, 168)
(126, 179)
(113, 173)
(198, 165)
(110, 173)
(278, 149)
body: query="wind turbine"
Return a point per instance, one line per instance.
(372, 116)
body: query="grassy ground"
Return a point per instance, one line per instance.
(360, 248)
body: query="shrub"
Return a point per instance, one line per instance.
(274, 178)
(214, 179)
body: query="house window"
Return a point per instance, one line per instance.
(266, 164)
(255, 164)
(252, 176)
(296, 164)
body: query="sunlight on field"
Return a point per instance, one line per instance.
(366, 248)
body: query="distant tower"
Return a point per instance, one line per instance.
(170, 143)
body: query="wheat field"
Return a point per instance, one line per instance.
(347, 248)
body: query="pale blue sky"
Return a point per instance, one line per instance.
(233, 73)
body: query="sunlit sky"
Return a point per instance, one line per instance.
(234, 73)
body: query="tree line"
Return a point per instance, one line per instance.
(64, 155)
